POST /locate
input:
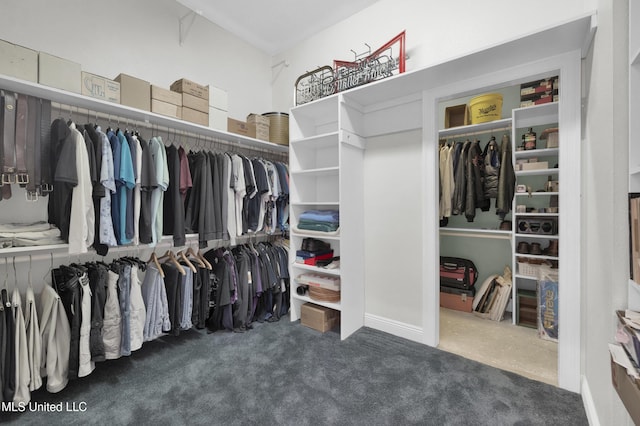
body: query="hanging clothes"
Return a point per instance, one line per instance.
(112, 328)
(56, 339)
(155, 300)
(173, 215)
(34, 340)
(107, 179)
(85, 364)
(506, 186)
(98, 276)
(138, 310)
(148, 183)
(158, 154)
(7, 347)
(66, 281)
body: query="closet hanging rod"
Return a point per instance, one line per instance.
(67, 111)
(479, 132)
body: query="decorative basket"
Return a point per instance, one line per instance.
(527, 269)
(324, 295)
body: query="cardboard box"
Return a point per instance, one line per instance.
(457, 115)
(627, 389)
(19, 62)
(261, 124)
(218, 98)
(194, 102)
(218, 118)
(239, 127)
(319, 317)
(166, 95)
(99, 87)
(537, 86)
(187, 86)
(59, 73)
(165, 108)
(539, 165)
(197, 117)
(134, 92)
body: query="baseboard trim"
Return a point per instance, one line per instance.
(397, 328)
(589, 406)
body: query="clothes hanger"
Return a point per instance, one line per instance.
(200, 261)
(171, 256)
(183, 257)
(154, 259)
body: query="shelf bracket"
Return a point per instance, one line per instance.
(184, 28)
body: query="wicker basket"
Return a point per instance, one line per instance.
(323, 295)
(527, 269)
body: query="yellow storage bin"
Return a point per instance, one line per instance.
(486, 108)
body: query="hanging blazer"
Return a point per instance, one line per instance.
(475, 198)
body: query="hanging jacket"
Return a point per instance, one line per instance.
(492, 163)
(475, 182)
(460, 179)
(506, 184)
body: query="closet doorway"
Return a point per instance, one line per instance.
(483, 236)
(459, 331)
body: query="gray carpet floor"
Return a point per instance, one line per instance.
(285, 373)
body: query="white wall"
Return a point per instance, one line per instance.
(435, 32)
(141, 38)
(393, 233)
(605, 165)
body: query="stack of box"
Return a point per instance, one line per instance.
(134, 92)
(258, 126)
(539, 92)
(166, 102)
(195, 101)
(218, 107)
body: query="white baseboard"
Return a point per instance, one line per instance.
(589, 406)
(397, 328)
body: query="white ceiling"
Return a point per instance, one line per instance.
(275, 25)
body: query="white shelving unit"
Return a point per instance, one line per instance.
(538, 117)
(93, 106)
(323, 134)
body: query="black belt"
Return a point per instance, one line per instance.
(43, 162)
(22, 113)
(33, 133)
(7, 141)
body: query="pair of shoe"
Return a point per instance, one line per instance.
(526, 248)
